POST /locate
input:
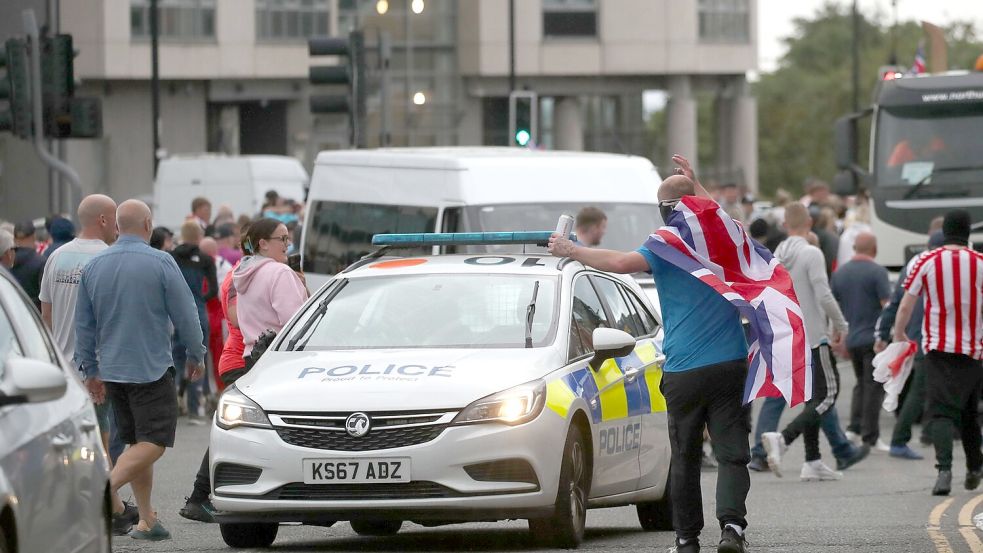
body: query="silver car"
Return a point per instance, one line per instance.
(54, 472)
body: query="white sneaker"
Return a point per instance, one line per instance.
(775, 445)
(853, 437)
(881, 446)
(816, 471)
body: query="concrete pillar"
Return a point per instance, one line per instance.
(569, 124)
(744, 133)
(723, 154)
(681, 116)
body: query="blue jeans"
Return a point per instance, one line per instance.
(771, 414)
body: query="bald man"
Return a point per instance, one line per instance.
(703, 379)
(862, 288)
(129, 295)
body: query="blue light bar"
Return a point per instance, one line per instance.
(412, 240)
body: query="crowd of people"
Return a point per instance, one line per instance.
(157, 322)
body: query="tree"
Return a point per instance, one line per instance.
(799, 102)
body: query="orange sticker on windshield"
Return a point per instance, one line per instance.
(398, 263)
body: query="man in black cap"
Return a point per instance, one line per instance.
(28, 265)
(951, 279)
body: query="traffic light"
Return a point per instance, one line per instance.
(522, 118)
(15, 89)
(351, 74)
(65, 115)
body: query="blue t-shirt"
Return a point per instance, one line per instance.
(701, 327)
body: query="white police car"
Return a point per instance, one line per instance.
(443, 389)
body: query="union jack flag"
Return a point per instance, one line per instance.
(918, 67)
(701, 239)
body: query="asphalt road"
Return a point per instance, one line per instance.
(882, 505)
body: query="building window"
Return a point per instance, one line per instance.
(291, 19)
(188, 19)
(570, 18)
(725, 21)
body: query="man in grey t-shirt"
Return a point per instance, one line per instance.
(862, 288)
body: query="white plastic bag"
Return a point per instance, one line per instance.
(892, 368)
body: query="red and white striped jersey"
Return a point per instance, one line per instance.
(952, 283)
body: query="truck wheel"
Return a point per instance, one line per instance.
(565, 528)
(376, 528)
(249, 534)
(656, 516)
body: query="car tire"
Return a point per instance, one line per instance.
(565, 528)
(377, 528)
(4, 548)
(107, 526)
(249, 534)
(656, 516)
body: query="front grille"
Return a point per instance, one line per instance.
(231, 474)
(506, 470)
(377, 438)
(298, 491)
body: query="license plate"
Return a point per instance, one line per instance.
(356, 471)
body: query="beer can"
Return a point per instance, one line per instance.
(564, 225)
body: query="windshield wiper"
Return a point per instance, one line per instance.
(530, 313)
(322, 308)
(918, 186)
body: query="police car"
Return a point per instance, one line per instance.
(445, 389)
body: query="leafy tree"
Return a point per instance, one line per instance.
(812, 86)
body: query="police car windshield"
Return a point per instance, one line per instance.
(628, 224)
(435, 311)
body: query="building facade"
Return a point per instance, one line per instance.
(234, 80)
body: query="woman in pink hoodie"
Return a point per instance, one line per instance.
(269, 291)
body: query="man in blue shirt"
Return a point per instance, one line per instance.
(128, 296)
(703, 382)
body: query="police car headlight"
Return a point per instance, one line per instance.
(235, 409)
(513, 406)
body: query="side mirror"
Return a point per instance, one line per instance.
(845, 183)
(31, 381)
(845, 142)
(610, 343)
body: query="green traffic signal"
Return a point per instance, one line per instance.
(522, 137)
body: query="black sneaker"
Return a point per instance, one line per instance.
(200, 511)
(131, 513)
(973, 478)
(943, 484)
(691, 546)
(859, 454)
(121, 524)
(731, 541)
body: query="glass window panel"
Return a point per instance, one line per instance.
(588, 314)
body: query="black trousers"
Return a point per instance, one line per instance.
(912, 405)
(203, 480)
(952, 382)
(868, 395)
(708, 397)
(825, 387)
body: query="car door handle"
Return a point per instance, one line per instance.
(62, 441)
(632, 373)
(87, 426)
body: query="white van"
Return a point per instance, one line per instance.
(241, 182)
(358, 193)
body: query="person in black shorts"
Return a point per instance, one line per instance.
(129, 296)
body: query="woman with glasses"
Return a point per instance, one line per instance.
(269, 291)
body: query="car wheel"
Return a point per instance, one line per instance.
(376, 527)
(656, 516)
(565, 529)
(4, 548)
(107, 527)
(249, 535)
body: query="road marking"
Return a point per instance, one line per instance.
(934, 527)
(967, 528)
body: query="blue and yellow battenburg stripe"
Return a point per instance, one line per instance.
(617, 399)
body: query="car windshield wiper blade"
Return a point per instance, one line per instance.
(530, 313)
(322, 308)
(950, 169)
